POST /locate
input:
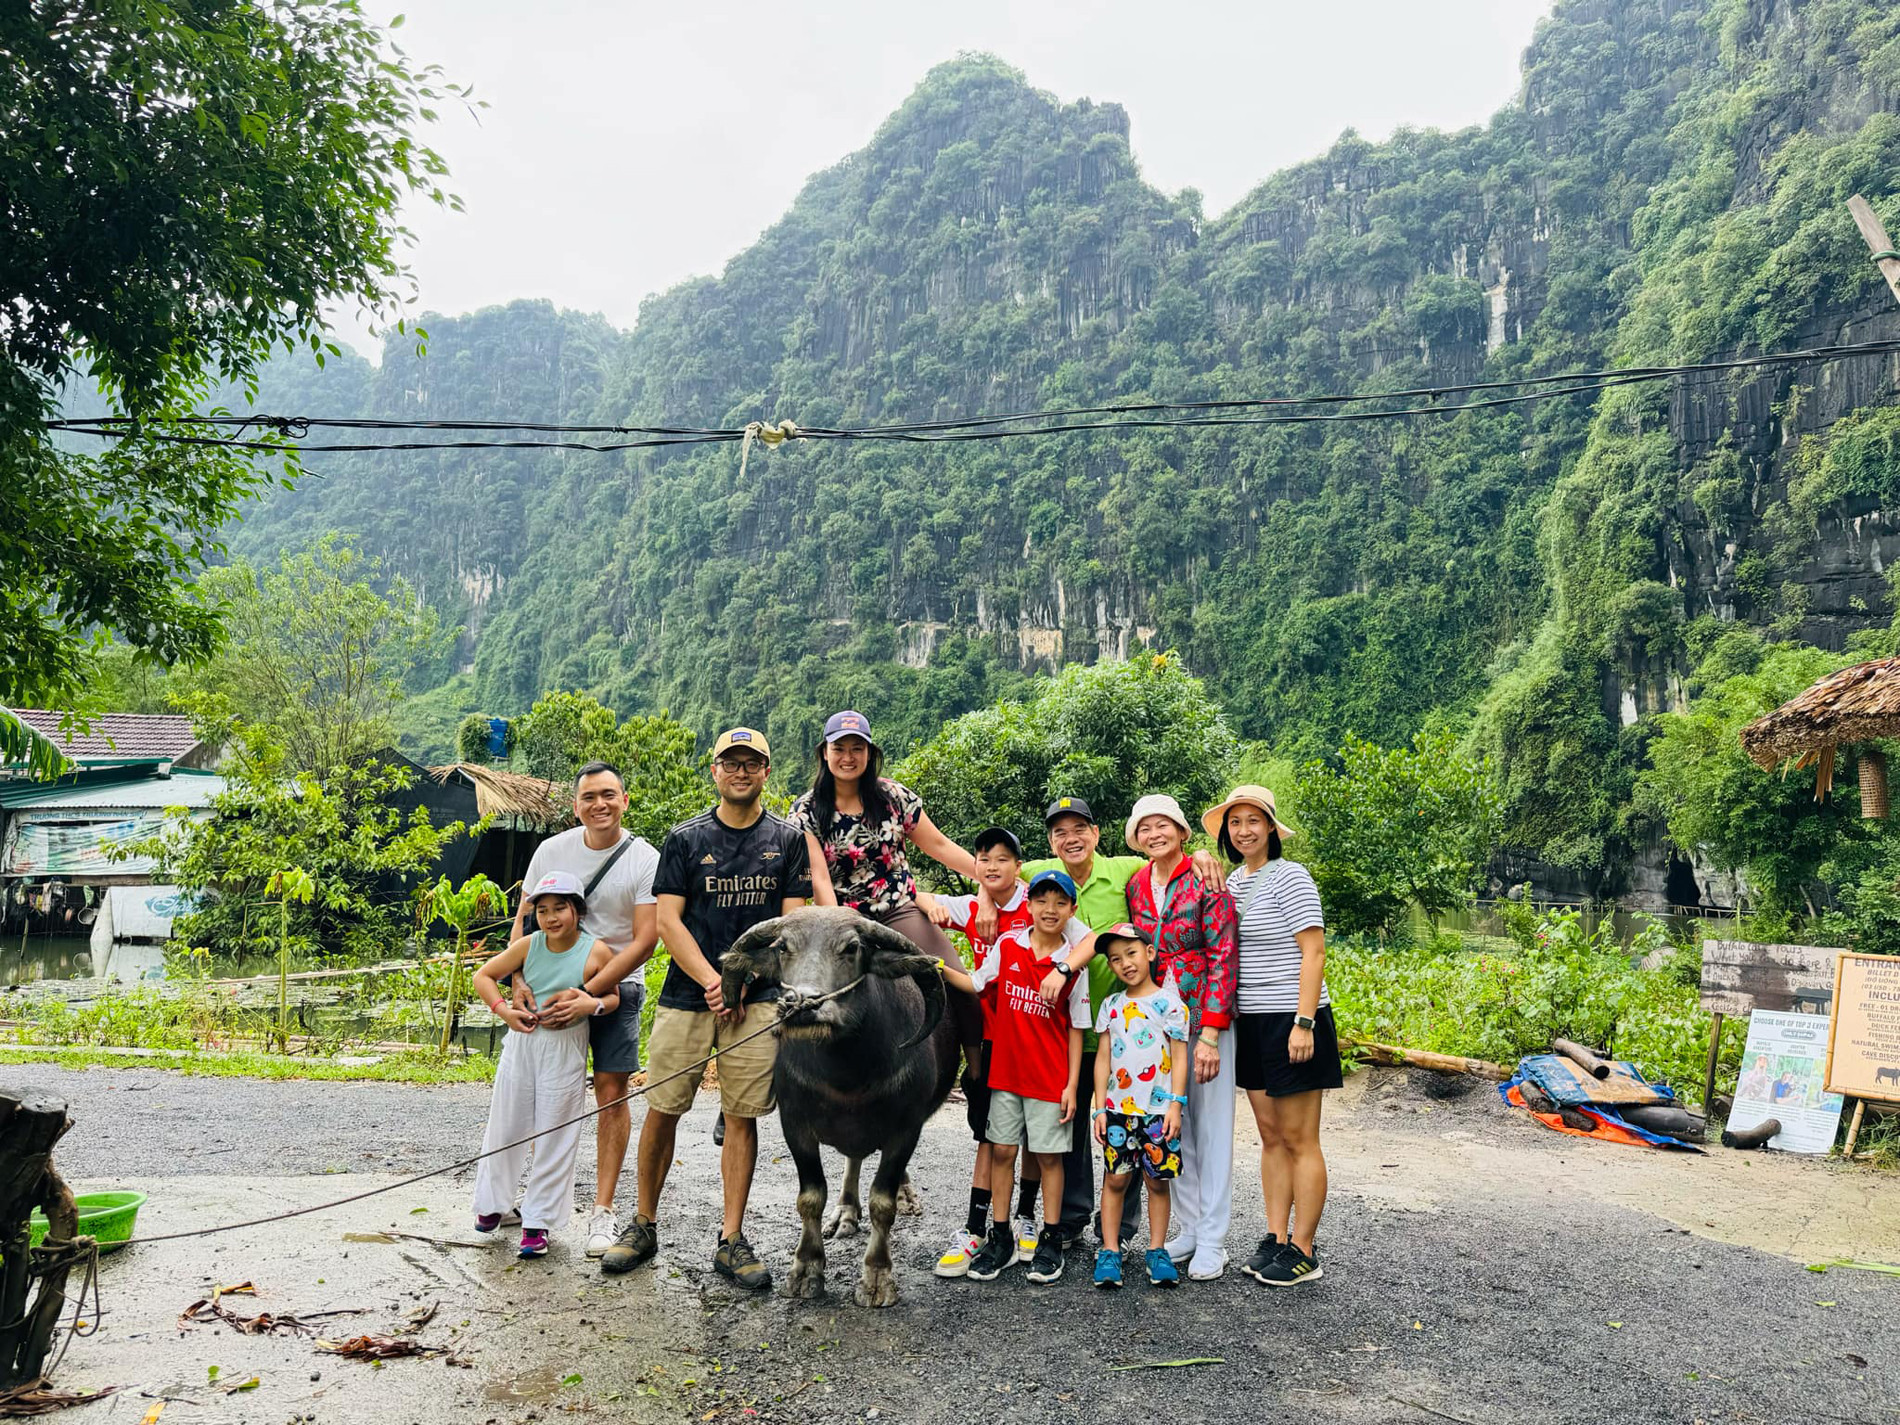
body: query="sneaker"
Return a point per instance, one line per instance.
(1028, 1236)
(601, 1231)
(1179, 1249)
(487, 1221)
(1293, 1268)
(719, 1130)
(1206, 1264)
(633, 1246)
(956, 1259)
(534, 1242)
(999, 1251)
(737, 1262)
(1046, 1265)
(1108, 1269)
(1263, 1256)
(1161, 1268)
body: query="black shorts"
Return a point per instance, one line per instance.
(615, 1038)
(976, 1096)
(1260, 1061)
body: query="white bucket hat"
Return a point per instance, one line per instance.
(1155, 804)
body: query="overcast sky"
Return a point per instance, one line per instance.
(627, 146)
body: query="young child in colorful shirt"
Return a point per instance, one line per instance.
(999, 861)
(1141, 1073)
(1036, 1051)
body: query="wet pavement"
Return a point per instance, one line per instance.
(1478, 1268)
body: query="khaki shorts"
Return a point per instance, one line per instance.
(1034, 1122)
(681, 1036)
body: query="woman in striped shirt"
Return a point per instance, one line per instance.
(1286, 1050)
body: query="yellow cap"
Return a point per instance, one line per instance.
(743, 737)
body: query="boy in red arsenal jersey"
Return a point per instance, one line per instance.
(1035, 1054)
(999, 862)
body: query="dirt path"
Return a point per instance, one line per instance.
(1479, 1268)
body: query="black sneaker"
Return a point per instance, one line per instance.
(634, 1246)
(1046, 1266)
(1263, 1257)
(719, 1130)
(998, 1252)
(1292, 1268)
(737, 1262)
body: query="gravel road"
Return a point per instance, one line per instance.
(1451, 1293)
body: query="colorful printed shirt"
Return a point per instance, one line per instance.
(1014, 916)
(867, 864)
(1194, 934)
(1031, 1039)
(1139, 1029)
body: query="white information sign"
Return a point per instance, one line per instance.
(1783, 1076)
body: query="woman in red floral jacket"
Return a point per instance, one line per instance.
(1193, 929)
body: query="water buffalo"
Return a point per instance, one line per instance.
(862, 1072)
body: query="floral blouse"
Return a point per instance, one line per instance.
(867, 864)
(1196, 936)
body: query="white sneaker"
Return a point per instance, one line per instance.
(602, 1229)
(1028, 1234)
(1179, 1249)
(955, 1261)
(1206, 1264)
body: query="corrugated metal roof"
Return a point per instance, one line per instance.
(168, 736)
(181, 789)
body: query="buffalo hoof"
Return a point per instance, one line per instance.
(842, 1220)
(806, 1280)
(909, 1202)
(877, 1287)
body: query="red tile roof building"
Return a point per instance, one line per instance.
(118, 737)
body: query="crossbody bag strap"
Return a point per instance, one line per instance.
(608, 865)
(1268, 872)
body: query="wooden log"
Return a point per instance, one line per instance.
(1669, 1118)
(29, 1127)
(1585, 1059)
(1393, 1056)
(1853, 1127)
(1751, 1137)
(1874, 233)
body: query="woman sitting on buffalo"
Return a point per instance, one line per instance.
(1191, 927)
(856, 822)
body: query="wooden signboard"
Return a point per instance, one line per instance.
(1863, 1053)
(1740, 977)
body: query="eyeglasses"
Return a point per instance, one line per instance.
(740, 764)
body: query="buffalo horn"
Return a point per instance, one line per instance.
(753, 956)
(890, 956)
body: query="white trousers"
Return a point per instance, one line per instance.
(541, 1080)
(1204, 1192)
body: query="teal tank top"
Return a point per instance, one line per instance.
(548, 972)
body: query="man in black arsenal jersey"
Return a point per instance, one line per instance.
(720, 874)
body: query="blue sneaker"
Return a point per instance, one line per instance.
(1108, 1269)
(1161, 1268)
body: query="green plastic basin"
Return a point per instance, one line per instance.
(105, 1216)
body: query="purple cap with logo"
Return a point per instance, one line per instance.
(847, 724)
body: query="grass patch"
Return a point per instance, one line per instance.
(391, 1068)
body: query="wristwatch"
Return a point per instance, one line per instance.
(1065, 968)
(600, 1005)
(1303, 1021)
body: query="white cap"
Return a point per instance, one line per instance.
(1155, 804)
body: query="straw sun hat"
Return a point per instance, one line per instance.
(1247, 795)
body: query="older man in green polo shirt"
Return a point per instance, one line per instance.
(1101, 885)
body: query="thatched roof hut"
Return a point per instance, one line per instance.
(1857, 704)
(512, 799)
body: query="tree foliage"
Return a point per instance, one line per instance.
(315, 651)
(1386, 829)
(1108, 733)
(666, 779)
(182, 188)
(361, 855)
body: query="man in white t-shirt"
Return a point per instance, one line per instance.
(621, 913)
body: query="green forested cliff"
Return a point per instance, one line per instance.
(1540, 578)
